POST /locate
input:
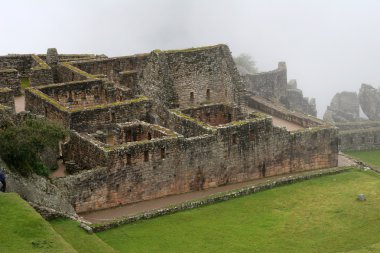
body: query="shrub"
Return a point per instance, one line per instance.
(21, 146)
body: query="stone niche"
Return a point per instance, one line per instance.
(214, 115)
(134, 131)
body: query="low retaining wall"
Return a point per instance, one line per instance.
(218, 198)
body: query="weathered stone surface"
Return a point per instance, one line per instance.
(369, 99)
(362, 135)
(344, 107)
(171, 122)
(297, 102)
(361, 197)
(9, 79)
(38, 190)
(273, 86)
(6, 98)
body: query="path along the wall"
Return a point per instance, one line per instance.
(290, 126)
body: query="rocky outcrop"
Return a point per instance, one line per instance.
(344, 107)
(38, 191)
(369, 99)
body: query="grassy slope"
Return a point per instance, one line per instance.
(320, 215)
(24, 230)
(372, 157)
(79, 239)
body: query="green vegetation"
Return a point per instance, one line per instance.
(24, 230)
(25, 83)
(245, 62)
(21, 146)
(372, 157)
(319, 215)
(80, 240)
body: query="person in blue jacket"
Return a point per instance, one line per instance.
(2, 180)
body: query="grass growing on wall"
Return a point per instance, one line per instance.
(24, 230)
(25, 83)
(372, 157)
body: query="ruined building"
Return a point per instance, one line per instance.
(355, 132)
(168, 122)
(274, 86)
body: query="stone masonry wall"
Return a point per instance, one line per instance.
(41, 73)
(68, 73)
(191, 77)
(362, 135)
(9, 79)
(242, 151)
(111, 67)
(215, 114)
(85, 118)
(270, 85)
(280, 111)
(21, 62)
(6, 98)
(360, 139)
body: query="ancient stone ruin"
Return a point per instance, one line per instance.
(273, 85)
(355, 132)
(168, 122)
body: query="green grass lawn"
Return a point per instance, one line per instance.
(319, 215)
(372, 157)
(24, 230)
(80, 240)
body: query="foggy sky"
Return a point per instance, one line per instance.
(328, 45)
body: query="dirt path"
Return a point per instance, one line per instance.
(345, 161)
(110, 214)
(20, 103)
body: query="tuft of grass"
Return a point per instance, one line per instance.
(319, 215)
(79, 239)
(372, 157)
(25, 83)
(24, 230)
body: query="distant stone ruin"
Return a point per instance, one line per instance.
(168, 122)
(356, 133)
(273, 85)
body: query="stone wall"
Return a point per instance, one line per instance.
(111, 67)
(21, 62)
(271, 85)
(191, 77)
(9, 79)
(280, 111)
(362, 135)
(84, 117)
(215, 114)
(68, 73)
(38, 191)
(40, 73)
(6, 98)
(233, 153)
(297, 102)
